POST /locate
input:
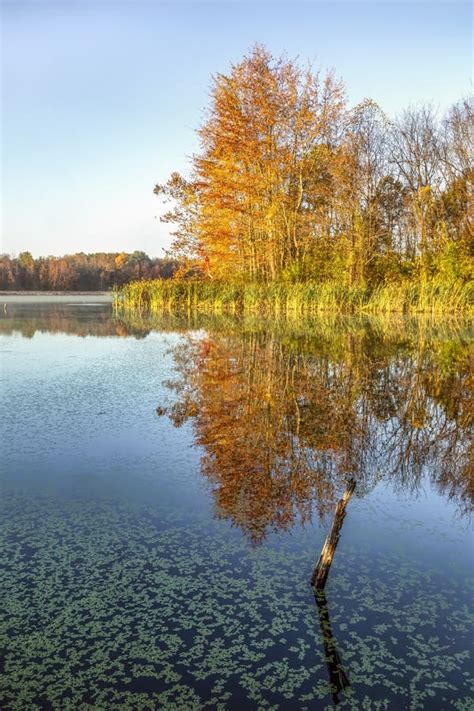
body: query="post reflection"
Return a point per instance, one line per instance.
(338, 679)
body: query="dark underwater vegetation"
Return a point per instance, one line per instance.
(167, 484)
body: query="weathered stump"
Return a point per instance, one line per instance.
(321, 572)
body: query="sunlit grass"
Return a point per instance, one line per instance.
(437, 296)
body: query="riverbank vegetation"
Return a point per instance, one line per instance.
(297, 201)
(405, 296)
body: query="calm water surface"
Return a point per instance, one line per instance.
(161, 558)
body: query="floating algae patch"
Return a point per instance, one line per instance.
(110, 605)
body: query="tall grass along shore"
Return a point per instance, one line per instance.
(158, 295)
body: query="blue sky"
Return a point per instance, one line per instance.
(100, 99)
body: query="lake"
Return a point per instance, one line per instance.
(167, 485)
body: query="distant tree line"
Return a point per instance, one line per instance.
(81, 272)
(290, 183)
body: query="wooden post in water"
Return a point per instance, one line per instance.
(321, 572)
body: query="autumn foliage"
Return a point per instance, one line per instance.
(292, 184)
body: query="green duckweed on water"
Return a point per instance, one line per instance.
(105, 604)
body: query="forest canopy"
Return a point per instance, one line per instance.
(290, 183)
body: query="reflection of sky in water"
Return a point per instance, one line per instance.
(87, 407)
(117, 575)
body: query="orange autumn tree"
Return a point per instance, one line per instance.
(259, 184)
(290, 184)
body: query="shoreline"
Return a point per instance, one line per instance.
(63, 297)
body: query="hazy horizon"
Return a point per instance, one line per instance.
(101, 100)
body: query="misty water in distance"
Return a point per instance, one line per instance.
(166, 487)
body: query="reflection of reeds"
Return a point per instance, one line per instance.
(326, 327)
(437, 297)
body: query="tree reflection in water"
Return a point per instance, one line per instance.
(284, 420)
(287, 420)
(75, 319)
